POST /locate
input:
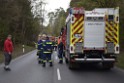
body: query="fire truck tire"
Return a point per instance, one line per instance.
(71, 65)
(107, 66)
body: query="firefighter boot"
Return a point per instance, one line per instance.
(44, 64)
(51, 64)
(61, 62)
(6, 68)
(39, 62)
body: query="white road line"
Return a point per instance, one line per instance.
(58, 74)
(56, 57)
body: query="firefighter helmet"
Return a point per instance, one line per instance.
(44, 35)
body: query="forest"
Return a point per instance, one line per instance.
(17, 19)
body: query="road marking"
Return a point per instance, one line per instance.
(58, 74)
(56, 57)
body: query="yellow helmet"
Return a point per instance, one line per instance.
(39, 35)
(44, 35)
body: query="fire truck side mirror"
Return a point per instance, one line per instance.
(72, 19)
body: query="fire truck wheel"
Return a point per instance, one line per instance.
(107, 66)
(71, 65)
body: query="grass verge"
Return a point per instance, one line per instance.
(17, 52)
(120, 62)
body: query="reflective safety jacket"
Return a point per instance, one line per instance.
(54, 44)
(47, 46)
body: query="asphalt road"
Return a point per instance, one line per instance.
(25, 69)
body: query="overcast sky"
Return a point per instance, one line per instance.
(52, 5)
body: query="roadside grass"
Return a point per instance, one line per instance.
(120, 62)
(17, 52)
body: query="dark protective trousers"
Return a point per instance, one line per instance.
(47, 56)
(8, 58)
(41, 56)
(60, 55)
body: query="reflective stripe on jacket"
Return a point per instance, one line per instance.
(40, 45)
(47, 46)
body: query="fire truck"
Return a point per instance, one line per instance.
(91, 37)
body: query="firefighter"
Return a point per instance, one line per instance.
(47, 51)
(44, 38)
(59, 40)
(40, 49)
(60, 51)
(55, 45)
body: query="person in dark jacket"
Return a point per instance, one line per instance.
(60, 51)
(47, 51)
(40, 49)
(8, 49)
